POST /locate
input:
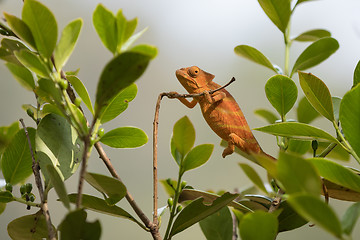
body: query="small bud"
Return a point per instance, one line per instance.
(28, 187)
(8, 187)
(31, 197)
(63, 84)
(179, 208)
(183, 184)
(314, 145)
(101, 132)
(77, 101)
(22, 189)
(169, 182)
(170, 202)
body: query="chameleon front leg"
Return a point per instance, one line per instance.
(186, 102)
(215, 97)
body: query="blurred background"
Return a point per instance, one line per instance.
(202, 33)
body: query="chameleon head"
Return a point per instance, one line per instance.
(193, 78)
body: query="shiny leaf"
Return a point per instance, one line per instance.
(305, 112)
(197, 156)
(249, 226)
(316, 53)
(22, 75)
(350, 117)
(312, 35)
(125, 137)
(317, 94)
(67, 43)
(281, 92)
(81, 91)
(43, 26)
(218, 226)
(316, 210)
(254, 55)
(16, 160)
(183, 135)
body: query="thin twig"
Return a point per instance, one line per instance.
(35, 168)
(155, 140)
(151, 226)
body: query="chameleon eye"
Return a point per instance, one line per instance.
(194, 71)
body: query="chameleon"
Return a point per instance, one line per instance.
(220, 110)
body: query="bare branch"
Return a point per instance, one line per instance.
(35, 168)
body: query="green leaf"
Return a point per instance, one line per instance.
(297, 130)
(43, 26)
(249, 226)
(317, 94)
(124, 137)
(198, 210)
(145, 49)
(6, 135)
(28, 227)
(169, 186)
(22, 75)
(305, 112)
(58, 144)
(312, 35)
(112, 187)
(289, 219)
(317, 211)
(58, 182)
(16, 161)
(193, 194)
(183, 135)
(253, 176)
(278, 11)
(336, 105)
(269, 116)
(118, 74)
(298, 175)
(254, 55)
(281, 92)
(350, 117)
(105, 25)
(49, 91)
(218, 226)
(119, 103)
(32, 62)
(315, 54)
(302, 1)
(81, 91)
(75, 226)
(267, 163)
(51, 108)
(356, 78)
(350, 217)
(299, 146)
(21, 29)
(336, 173)
(6, 196)
(67, 43)
(198, 156)
(126, 45)
(101, 206)
(124, 29)
(2, 207)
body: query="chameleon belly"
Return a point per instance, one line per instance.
(225, 117)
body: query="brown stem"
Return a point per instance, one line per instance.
(85, 157)
(35, 168)
(151, 226)
(276, 201)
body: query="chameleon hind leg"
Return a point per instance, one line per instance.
(235, 140)
(245, 146)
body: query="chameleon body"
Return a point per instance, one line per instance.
(220, 110)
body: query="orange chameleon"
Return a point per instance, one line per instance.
(220, 111)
